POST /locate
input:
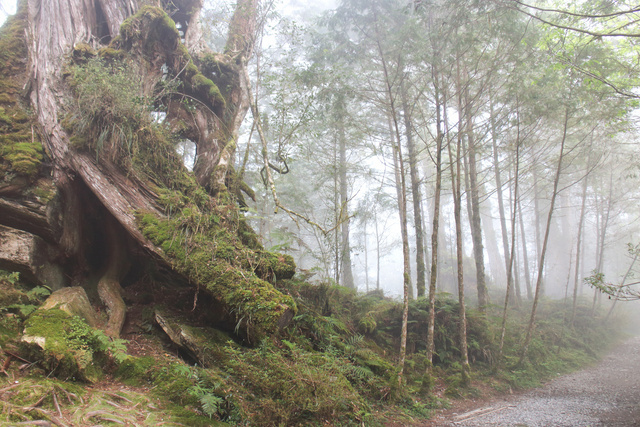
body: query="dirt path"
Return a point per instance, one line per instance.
(607, 394)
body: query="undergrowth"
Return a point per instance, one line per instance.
(326, 367)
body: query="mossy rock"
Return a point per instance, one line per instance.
(57, 340)
(136, 370)
(204, 344)
(74, 302)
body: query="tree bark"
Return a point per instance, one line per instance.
(97, 202)
(576, 278)
(345, 246)
(602, 233)
(401, 190)
(414, 175)
(476, 224)
(512, 253)
(498, 178)
(538, 292)
(436, 223)
(525, 256)
(457, 202)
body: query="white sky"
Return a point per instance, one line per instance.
(7, 7)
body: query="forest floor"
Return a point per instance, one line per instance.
(606, 394)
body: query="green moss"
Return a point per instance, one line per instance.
(65, 351)
(13, 48)
(82, 52)
(38, 392)
(204, 86)
(213, 257)
(154, 31)
(23, 155)
(44, 190)
(191, 69)
(110, 53)
(154, 25)
(248, 236)
(274, 265)
(20, 147)
(215, 66)
(136, 370)
(204, 344)
(178, 383)
(291, 386)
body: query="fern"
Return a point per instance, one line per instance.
(182, 370)
(118, 349)
(355, 340)
(12, 278)
(24, 309)
(210, 404)
(355, 372)
(335, 325)
(39, 292)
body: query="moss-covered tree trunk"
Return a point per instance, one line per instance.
(101, 185)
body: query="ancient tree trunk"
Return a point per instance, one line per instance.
(105, 206)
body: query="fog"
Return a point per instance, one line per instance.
(597, 179)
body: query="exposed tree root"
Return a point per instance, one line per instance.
(109, 291)
(109, 288)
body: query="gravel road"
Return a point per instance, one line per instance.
(607, 394)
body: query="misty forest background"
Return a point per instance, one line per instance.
(338, 87)
(457, 182)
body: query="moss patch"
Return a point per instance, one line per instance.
(20, 147)
(153, 33)
(202, 248)
(62, 344)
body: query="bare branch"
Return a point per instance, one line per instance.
(263, 139)
(569, 28)
(579, 15)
